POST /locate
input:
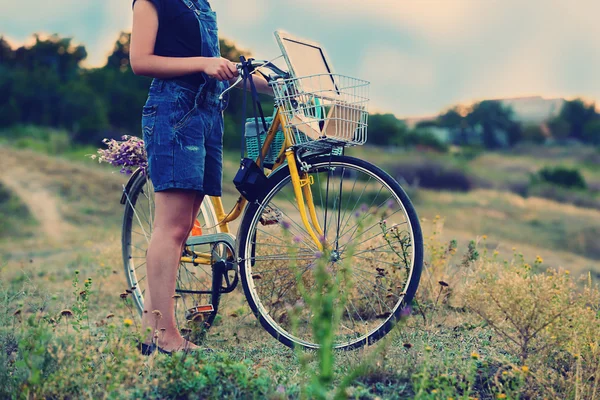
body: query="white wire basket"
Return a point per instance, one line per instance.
(326, 110)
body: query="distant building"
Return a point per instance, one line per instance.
(534, 109)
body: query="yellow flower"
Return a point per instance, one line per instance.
(474, 356)
(525, 368)
(539, 260)
(567, 272)
(514, 249)
(434, 391)
(427, 348)
(500, 396)
(505, 373)
(496, 253)
(484, 237)
(127, 322)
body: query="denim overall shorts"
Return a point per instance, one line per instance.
(183, 125)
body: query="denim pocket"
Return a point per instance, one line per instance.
(148, 120)
(185, 104)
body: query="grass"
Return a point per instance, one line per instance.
(15, 219)
(449, 347)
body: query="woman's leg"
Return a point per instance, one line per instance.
(174, 216)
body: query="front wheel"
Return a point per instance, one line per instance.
(371, 234)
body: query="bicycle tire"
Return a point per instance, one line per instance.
(135, 237)
(255, 253)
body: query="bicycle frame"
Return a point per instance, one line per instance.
(300, 182)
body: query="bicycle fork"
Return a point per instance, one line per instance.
(301, 183)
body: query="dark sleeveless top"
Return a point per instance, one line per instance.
(178, 34)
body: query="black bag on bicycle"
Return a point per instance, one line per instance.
(250, 180)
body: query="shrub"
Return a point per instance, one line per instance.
(561, 176)
(550, 325)
(433, 175)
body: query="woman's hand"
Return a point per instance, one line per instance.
(220, 68)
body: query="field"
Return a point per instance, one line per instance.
(61, 225)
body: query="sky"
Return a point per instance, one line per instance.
(421, 56)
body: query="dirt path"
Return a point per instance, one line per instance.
(28, 183)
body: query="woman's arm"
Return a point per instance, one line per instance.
(144, 62)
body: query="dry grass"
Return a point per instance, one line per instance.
(445, 350)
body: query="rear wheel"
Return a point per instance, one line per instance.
(191, 279)
(371, 233)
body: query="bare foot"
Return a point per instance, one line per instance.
(176, 344)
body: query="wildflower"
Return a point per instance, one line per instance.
(434, 391)
(474, 356)
(500, 396)
(484, 237)
(525, 368)
(127, 322)
(286, 225)
(128, 154)
(406, 311)
(567, 272)
(496, 253)
(428, 349)
(539, 260)
(391, 203)
(297, 239)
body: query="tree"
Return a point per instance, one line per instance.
(560, 128)
(577, 114)
(496, 120)
(591, 132)
(386, 129)
(119, 58)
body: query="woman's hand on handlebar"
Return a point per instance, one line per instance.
(221, 69)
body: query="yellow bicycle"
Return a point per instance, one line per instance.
(314, 202)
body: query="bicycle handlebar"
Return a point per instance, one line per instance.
(255, 65)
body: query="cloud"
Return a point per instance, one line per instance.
(442, 52)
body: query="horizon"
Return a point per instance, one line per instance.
(448, 53)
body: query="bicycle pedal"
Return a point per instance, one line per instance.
(193, 313)
(270, 217)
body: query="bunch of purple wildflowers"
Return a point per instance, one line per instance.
(129, 154)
